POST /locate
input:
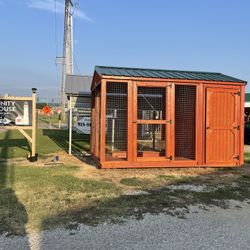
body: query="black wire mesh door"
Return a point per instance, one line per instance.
(151, 121)
(116, 121)
(185, 122)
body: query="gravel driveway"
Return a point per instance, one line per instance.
(215, 228)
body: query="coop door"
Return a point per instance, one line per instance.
(222, 126)
(151, 122)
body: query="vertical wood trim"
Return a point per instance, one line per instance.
(92, 133)
(238, 123)
(130, 138)
(169, 115)
(205, 125)
(103, 120)
(203, 130)
(97, 123)
(172, 117)
(200, 127)
(242, 112)
(134, 125)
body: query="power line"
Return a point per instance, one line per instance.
(77, 68)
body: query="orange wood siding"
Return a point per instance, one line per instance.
(218, 125)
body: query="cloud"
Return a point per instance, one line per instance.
(49, 5)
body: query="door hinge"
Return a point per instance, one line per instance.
(170, 157)
(237, 157)
(237, 93)
(170, 122)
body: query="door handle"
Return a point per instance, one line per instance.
(207, 127)
(236, 127)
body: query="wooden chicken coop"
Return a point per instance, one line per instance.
(166, 118)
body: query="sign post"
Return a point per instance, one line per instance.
(20, 113)
(70, 126)
(34, 126)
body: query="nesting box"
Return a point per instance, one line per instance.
(166, 118)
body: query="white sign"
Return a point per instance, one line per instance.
(4, 121)
(83, 125)
(15, 112)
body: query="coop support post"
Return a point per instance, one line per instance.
(70, 126)
(103, 121)
(34, 124)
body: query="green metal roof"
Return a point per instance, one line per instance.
(247, 98)
(165, 74)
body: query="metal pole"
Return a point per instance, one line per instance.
(72, 45)
(70, 126)
(66, 67)
(33, 151)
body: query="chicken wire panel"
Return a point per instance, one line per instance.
(151, 140)
(151, 103)
(185, 122)
(116, 120)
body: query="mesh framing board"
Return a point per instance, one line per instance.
(116, 120)
(185, 122)
(151, 103)
(151, 140)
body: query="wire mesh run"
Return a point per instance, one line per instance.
(151, 140)
(185, 120)
(116, 120)
(151, 103)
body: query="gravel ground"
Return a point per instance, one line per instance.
(215, 228)
(247, 148)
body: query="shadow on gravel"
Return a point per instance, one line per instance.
(173, 199)
(13, 215)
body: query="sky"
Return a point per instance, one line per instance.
(207, 35)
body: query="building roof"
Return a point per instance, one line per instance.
(165, 74)
(78, 85)
(247, 98)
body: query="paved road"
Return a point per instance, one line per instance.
(214, 229)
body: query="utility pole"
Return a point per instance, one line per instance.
(67, 64)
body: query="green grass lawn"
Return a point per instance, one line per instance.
(13, 144)
(39, 198)
(32, 196)
(247, 158)
(54, 119)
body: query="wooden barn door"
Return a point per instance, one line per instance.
(222, 126)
